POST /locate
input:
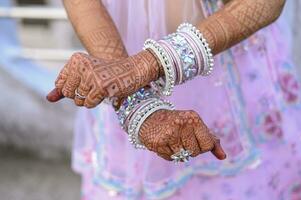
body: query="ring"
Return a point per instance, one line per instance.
(79, 95)
(182, 155)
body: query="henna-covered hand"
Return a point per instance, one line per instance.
(95, 79)
(166, 132)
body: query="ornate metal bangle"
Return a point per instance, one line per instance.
(189, 65)
(164, 85)
(136, 108)
(131, 102)
(203, 45)
(141, 115)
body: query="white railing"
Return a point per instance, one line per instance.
(39, 12)
(47, 54)
(33, 13)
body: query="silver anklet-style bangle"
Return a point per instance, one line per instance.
(131, 102)
(163, 85)
(183, 56)
(136, 108)
(188, 66)
(141, 115)
(202, 43)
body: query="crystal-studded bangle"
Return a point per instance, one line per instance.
(141, 115)
(131, 102)
(176, 61)
(164, 85)
(202, 43)
(199, 54)
(183, 50)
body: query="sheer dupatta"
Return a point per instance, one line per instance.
(246, 102)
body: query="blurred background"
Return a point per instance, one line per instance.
(36, 136)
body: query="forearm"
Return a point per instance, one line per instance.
(237, 21)
(95, 29)
(99, 35)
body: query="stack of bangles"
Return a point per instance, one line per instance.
(136, 108)
(183, 55)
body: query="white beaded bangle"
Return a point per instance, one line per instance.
(204, 46)
(165, 86)
(141, 115)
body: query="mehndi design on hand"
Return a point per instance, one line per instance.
(166, 132)
(96, 79)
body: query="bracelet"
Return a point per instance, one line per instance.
(135, 109)
(202, 44)
(183, 56)
(129, 104)
(189, 65)
(176, 61)
(141, 115)
(163, 85)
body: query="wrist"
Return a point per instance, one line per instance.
(153, 65)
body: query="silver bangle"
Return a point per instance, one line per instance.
(141, 115)
(131, 102)
(184, 51)
(164, 85)
(203, 45)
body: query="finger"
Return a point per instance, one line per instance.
(93, 98)
(165, 152)
(83, 90)
(189, 141)
(70, 86)
(165, 156)
(176, 144)
(217, 150)
(55, 95)
(205, 141)
(62, 77)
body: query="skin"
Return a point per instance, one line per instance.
(227, 27)
(97, 79)
(84, 11)
(166, 132)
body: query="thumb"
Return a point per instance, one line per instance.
(217, 150)
(55, 95)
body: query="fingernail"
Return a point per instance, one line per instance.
(223, 154)
(54, 95)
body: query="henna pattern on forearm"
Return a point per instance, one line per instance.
(99, 35)
(97, 79)
(95, 28)
(237, 21)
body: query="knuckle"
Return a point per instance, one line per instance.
(192, 113)
(77, 55)
(89, 105)
(78, 102)
(195, 153)
(65, 92)
(165, 157)
(208, 146)
(59, 84)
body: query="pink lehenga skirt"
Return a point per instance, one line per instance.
(252, 101)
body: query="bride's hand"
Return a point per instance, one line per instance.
(167, 132)
(89, 80)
